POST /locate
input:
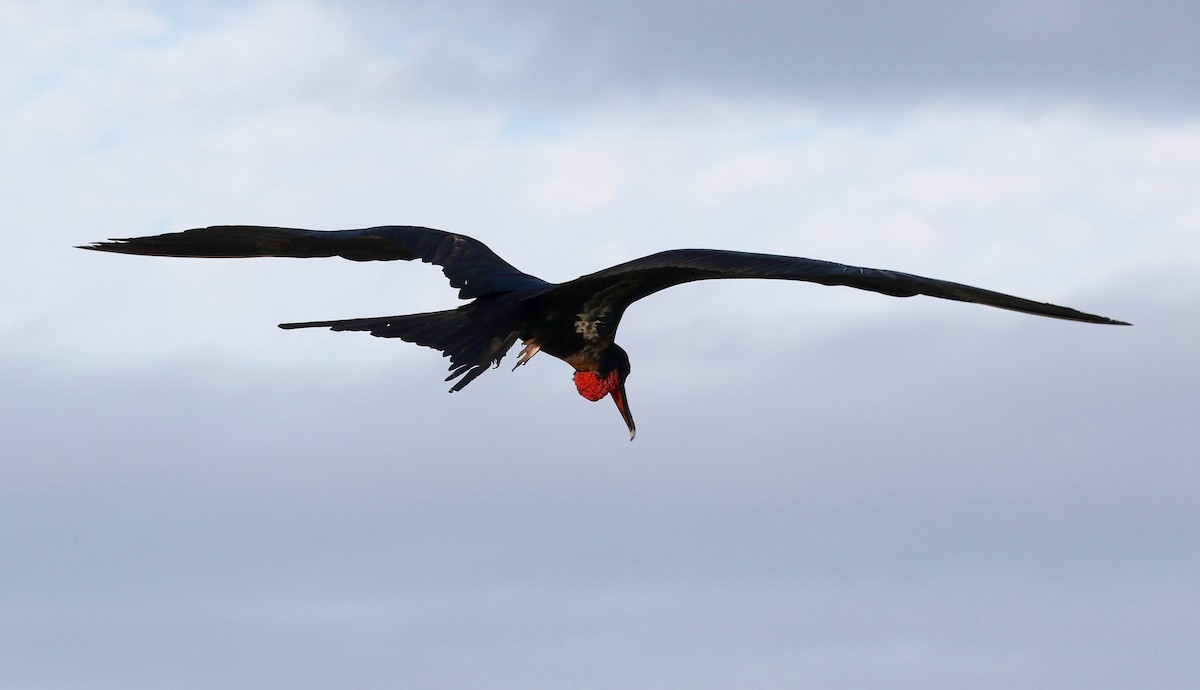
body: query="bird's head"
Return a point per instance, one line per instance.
(608, 378)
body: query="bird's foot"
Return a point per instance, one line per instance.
(527, 352)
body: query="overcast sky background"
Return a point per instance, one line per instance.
(829, 488)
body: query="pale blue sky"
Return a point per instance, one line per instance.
(829, 488)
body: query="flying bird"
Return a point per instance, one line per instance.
(575, 321)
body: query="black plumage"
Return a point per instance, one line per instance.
(575, 321)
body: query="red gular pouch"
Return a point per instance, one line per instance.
(594, 388)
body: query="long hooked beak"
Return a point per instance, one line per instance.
(618, 396)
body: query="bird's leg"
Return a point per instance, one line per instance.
(531, 348)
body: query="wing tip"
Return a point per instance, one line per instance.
(1102, 320)
(113, 244)
(306, 324)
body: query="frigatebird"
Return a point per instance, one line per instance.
(575, 321)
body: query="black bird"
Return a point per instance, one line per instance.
(575, 321)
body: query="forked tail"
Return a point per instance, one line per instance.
(472, 344)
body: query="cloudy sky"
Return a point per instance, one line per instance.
(829, 488)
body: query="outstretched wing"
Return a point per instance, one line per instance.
(628, 282)
(469, 264)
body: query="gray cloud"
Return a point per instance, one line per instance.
(829, 486)
(997, 501)
(1131, 56)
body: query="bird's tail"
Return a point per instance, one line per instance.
(471, 343)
